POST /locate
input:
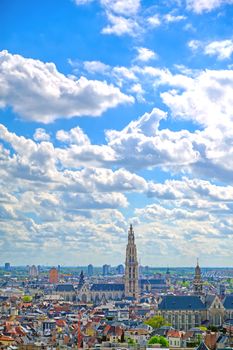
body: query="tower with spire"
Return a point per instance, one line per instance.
(81, 280)
(131, 267)
(197, 282)
(168, 277)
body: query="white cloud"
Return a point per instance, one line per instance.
(169, 17)
(122, 7)
(121, 16)
(194, 44)
(47, 183)
(192, 190)
(222, 49)
(49, 95)
(74, 136)
(96, 67)
(41, 135)
(154, 21)
(123, 73)
(200, 6)
(206, 100)
(138, 90)
(145, 54)
(94, 201)
(151, 146)
(120, 25)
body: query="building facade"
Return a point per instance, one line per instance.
(184, 312)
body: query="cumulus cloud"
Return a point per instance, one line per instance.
(194, 44)
(200, 6)
(151, 146)
(121, 7)
(48, 183)
(96, 67)
(206, 100)
(120, 25)
(170, 17)
(74, 136)
(121, 16)
(41, 135)
(145, 54)
(154, 21)
(49, 95)
(222, 49)
(191, 189)
(94, 201)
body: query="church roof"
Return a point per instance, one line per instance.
(228, 302)
(181, 302)
(209, 299)
(108, 287)
(65, 288)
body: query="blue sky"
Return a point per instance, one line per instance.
(112, 113)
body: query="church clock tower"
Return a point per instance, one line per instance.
(197, 282)
(131, 267)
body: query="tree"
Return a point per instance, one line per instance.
(27, 299)
(131, 341)
(159, 340)
(156, 322)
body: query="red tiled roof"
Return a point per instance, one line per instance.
(6, 338)
(174, 334)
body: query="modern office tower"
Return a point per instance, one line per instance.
(90, 270)
(120, 269)
(106, 270)
(7, 266)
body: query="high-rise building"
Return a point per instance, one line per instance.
(33, 271)
(90, 270)
(120, 269)
(53, 276)
(106, 270)
(197, 282)
(131, 267)
(7, 266)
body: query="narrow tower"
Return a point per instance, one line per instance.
(197, 282)
(131, 267)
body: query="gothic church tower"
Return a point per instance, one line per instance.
(131, 267)
(197, 282)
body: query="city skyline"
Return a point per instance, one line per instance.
(115, 112)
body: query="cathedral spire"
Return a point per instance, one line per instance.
(131, 266)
